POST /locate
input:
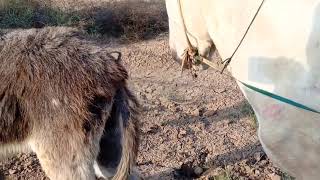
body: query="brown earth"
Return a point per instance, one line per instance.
(199, 128)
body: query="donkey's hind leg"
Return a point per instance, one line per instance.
(66, 155)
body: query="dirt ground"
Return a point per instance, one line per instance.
(199, 128)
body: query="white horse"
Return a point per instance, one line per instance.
(280, 55)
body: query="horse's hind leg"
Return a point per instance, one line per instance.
(66, 155)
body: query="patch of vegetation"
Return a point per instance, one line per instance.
(223, 176)
(247, 109)
(129, 20)
(28, 14)
(132, 20)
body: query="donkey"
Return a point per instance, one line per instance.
(67, 102)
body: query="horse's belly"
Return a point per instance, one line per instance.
(292, 148)
(290, 136)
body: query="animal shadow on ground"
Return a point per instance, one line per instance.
(246, 152)
(234, 113)
(187, 171)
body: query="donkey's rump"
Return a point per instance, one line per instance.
(56, 94)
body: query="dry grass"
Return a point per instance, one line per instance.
(28, 14)
(223, 176)
(128, 20)
(247, 109)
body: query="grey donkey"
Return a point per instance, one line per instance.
(68, 102)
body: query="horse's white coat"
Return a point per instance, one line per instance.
(280, 54)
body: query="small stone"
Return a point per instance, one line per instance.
(229, 168)
(221, 90)
(157, 103)
(247, 168)
(12, 171)
(257, 172)
(236, 167)
(210, 113)
(29, 163)
(182, 133)
(173, 107)
(263, 163)
(196, 112)
(257, 156)
(198, 170)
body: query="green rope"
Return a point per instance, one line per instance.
(280, 98)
